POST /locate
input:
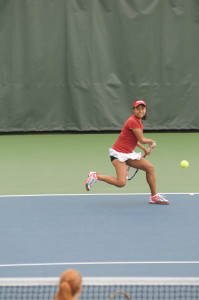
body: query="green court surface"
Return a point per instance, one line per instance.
(59, 163)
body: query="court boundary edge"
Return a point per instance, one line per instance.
(103, 194)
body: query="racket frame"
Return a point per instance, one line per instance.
(136, 171)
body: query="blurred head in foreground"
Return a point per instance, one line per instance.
(70, 285)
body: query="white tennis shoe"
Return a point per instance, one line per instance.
(92, 178)
(158, 199)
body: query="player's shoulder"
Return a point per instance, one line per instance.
(133, 123)
(132, 120)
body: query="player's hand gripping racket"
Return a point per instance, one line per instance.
(131, 172)
(120, 295)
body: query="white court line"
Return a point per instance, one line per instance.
(63, 195)
(111, 194)
(99, 263)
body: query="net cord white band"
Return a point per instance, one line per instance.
(103, 281)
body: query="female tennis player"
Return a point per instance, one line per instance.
(122, 154)
(70, 286)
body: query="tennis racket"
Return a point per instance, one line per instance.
(120, 295)
(131, 172)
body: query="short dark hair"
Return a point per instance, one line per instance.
(145, 116)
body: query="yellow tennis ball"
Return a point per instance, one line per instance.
(184, 164)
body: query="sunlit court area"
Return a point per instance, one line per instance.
(90, 91)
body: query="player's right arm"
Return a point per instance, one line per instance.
(141, 138)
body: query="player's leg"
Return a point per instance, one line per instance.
(145, 165)
(120, 179)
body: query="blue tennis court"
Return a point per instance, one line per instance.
(100, 235)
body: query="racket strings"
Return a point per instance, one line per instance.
(131, 172)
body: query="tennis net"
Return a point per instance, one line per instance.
(102, 288)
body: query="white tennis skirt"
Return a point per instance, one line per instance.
(125, 156)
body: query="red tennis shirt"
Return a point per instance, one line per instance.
(127, 140)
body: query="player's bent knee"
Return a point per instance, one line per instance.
(121, 183)
(150, 169)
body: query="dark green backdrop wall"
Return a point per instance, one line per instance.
(78, 64)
